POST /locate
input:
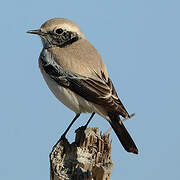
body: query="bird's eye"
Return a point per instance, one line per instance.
(59, 31)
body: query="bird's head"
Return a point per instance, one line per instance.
(58, 32)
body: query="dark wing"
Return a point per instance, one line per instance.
(99, 91)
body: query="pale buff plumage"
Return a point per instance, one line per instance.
(80, 58)
(83, 60)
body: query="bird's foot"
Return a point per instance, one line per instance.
(82, 128)
(63, 137)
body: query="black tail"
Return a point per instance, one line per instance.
(122, 133)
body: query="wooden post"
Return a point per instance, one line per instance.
(88, 158)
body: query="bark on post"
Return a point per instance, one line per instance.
(88, 158)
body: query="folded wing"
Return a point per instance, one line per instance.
(98, 90)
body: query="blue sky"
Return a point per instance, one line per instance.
(139, 42)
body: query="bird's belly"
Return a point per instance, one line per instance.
(68, 98)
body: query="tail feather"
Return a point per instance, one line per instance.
(122, 134)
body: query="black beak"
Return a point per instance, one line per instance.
(38, 32)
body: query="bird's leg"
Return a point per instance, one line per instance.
(85, 126)
(63, 137)
(82, 129)
(92, 115)
(64, 134)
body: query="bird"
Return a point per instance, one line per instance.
(76, 74)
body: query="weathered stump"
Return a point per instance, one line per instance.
(88, 158)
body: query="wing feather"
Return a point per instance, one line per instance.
(99, 90)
